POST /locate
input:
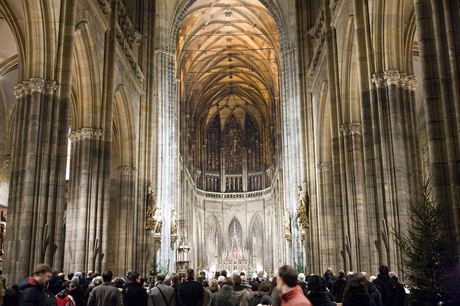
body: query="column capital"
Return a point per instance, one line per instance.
(410, 82)
(352, 128)
(325, 166)
(34, 85)
(378, 80)
(86, 133)
(127, 170)
(392, 77)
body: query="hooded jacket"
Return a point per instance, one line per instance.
(32, 293)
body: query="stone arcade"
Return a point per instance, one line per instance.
(236, 134)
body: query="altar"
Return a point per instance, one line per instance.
(235, 259)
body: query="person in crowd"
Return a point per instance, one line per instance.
(2, 288)
(339, 286)
(372, 290)
(386, 286)
(119, 283)
(244, 281)
(265, 301)
(329, 278)
(50, 299)
(216, 274)
(161, 294)
(241, 293)
(89, 279)
(275, 295)
(11, 296)
(175, 282)
(399, 291)
(260, 277)
(78, 293)
(259, 291)
(203, 275)
(33, 288)
(56, 282)
(318, 293)
(206, 292)
(221, 281)
(105, 294)
(224, 297)
(302, 283)
(135, 294)
(69, 276)
(63, 298)
(355, 293)
(190, 292)
(291, 293)
(97, 280)
(213, 285)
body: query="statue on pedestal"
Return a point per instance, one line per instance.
(173, 224)
(287, 225)
(303, 210)
(153, 214)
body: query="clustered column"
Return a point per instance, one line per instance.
(36, 191)
(85, 202)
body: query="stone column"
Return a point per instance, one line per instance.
(84, 210)
(434, 115)
(126, 224)
(36, 178)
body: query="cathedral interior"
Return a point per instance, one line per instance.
(223, 134)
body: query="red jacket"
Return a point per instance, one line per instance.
(294, 297)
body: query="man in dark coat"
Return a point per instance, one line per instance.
(386, 286)
(339, 286)
(135, 294)
(191, 292)
(105, 294)
(399, 291)
(33, 288)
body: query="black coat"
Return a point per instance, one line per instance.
(358, 297)
(386, 287)
(320, 298)
(191, 293)
(399, 294)
(339, 286)
(32, 293)
(374, 293)
(78, 295)
(135, 295)
(11, 297)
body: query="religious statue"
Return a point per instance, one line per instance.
(173, 224)
(303, 210)
(153, 213)
(287, 225)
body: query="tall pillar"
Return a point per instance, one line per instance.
(126, 220)
(36, 171)
(84, 210)
(438, 110)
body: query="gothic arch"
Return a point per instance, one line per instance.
(255, 238)
(122, 118)
(86, 82)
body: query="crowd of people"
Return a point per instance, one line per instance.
(287, 288)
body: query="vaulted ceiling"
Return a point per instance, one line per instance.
(228, 54)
